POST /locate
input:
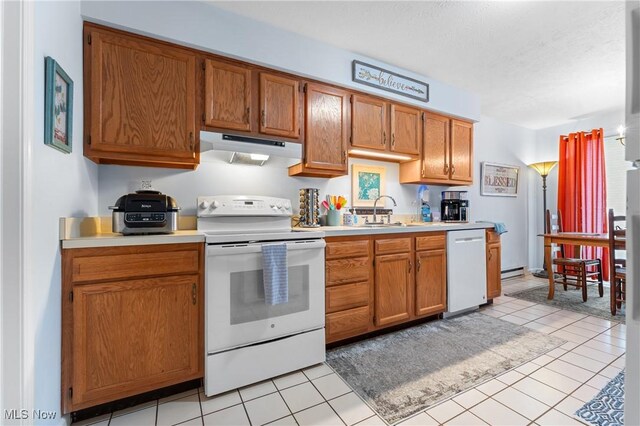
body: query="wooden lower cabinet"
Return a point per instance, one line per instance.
(393, 282)
(431, 282)
(494, 272)
(123, 337)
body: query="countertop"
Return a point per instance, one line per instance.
(340, 231)
(96, 232)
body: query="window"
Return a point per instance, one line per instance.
(616, 168)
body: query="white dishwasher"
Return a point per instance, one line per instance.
(466, 270)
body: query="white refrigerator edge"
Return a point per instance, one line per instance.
(632, 122)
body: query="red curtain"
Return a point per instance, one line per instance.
(582, 189)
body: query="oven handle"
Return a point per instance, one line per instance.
(213, 250)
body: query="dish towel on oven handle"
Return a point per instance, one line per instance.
(275, 274)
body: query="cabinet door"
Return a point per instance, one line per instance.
(368, 123)
(461, 162)
(142, 98)
(431, 282)
(133, 336)
(393, 288)
(326, 128)
(494, 279)
(279, 105)
(435, 150)
(227, 96)
(406, 130)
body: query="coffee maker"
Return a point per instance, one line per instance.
(454, 206)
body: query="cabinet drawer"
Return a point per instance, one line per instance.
(432, 241)
(340, 325)
(133, 265)
(339, 298)
(393, 245)
(341, 271)
(347, 249)
(492, 236)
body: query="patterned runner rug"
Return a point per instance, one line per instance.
(404, 372)
(607, 408)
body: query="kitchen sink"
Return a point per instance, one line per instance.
(382, 225)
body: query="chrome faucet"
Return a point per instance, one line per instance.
(375, 206)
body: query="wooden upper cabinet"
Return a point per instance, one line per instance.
(406, 130)
(369, 123)
(436, 147)
(279, 105)
(393, 288)
(326, 128)
(461, 162)
(227, 96)
(140, 101)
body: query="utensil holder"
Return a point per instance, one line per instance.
(333, 218)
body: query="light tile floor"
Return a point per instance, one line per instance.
(544, 391)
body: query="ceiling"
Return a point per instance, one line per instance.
(533, 63)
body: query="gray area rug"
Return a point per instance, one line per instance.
(407, 371)
(572, 300)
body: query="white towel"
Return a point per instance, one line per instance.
(275, 274)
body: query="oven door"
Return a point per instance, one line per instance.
(236, 312)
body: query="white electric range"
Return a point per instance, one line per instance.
(247, 339)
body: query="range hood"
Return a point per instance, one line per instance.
(233, 143)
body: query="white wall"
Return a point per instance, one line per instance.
(63, 185)
(546, 149)
(208, 28)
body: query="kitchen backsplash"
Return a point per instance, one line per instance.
(216, 176)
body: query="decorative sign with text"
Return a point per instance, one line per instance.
(386, 80)
(499, 180)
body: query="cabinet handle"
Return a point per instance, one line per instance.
(489, 255)
(453, 170)
(191, 141)
(247, 115)
(264, 118)
(410, 266)
(446, 169)
(344, 157)
(422, 171)
(418, 264)
(194, 293)
(393, 139)
(384, 137)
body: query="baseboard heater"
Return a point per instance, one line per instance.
(514, 272)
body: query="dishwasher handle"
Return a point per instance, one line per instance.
(468, 240)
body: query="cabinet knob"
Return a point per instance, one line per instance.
(446, 169)
(264, 118)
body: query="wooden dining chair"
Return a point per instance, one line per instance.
(573, 271)
(617, 264)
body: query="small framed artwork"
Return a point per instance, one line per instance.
(499, 180)
(367, 184)
(58, 107)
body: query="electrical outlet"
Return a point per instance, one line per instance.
(146, 184)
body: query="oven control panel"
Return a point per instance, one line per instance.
(243, 205)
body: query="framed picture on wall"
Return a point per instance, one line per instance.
(58, 107)
(368, 183)
(499, 180)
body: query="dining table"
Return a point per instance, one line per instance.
(575, 239)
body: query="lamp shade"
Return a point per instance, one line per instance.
(544, 167)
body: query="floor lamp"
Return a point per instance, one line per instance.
(543, 169)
